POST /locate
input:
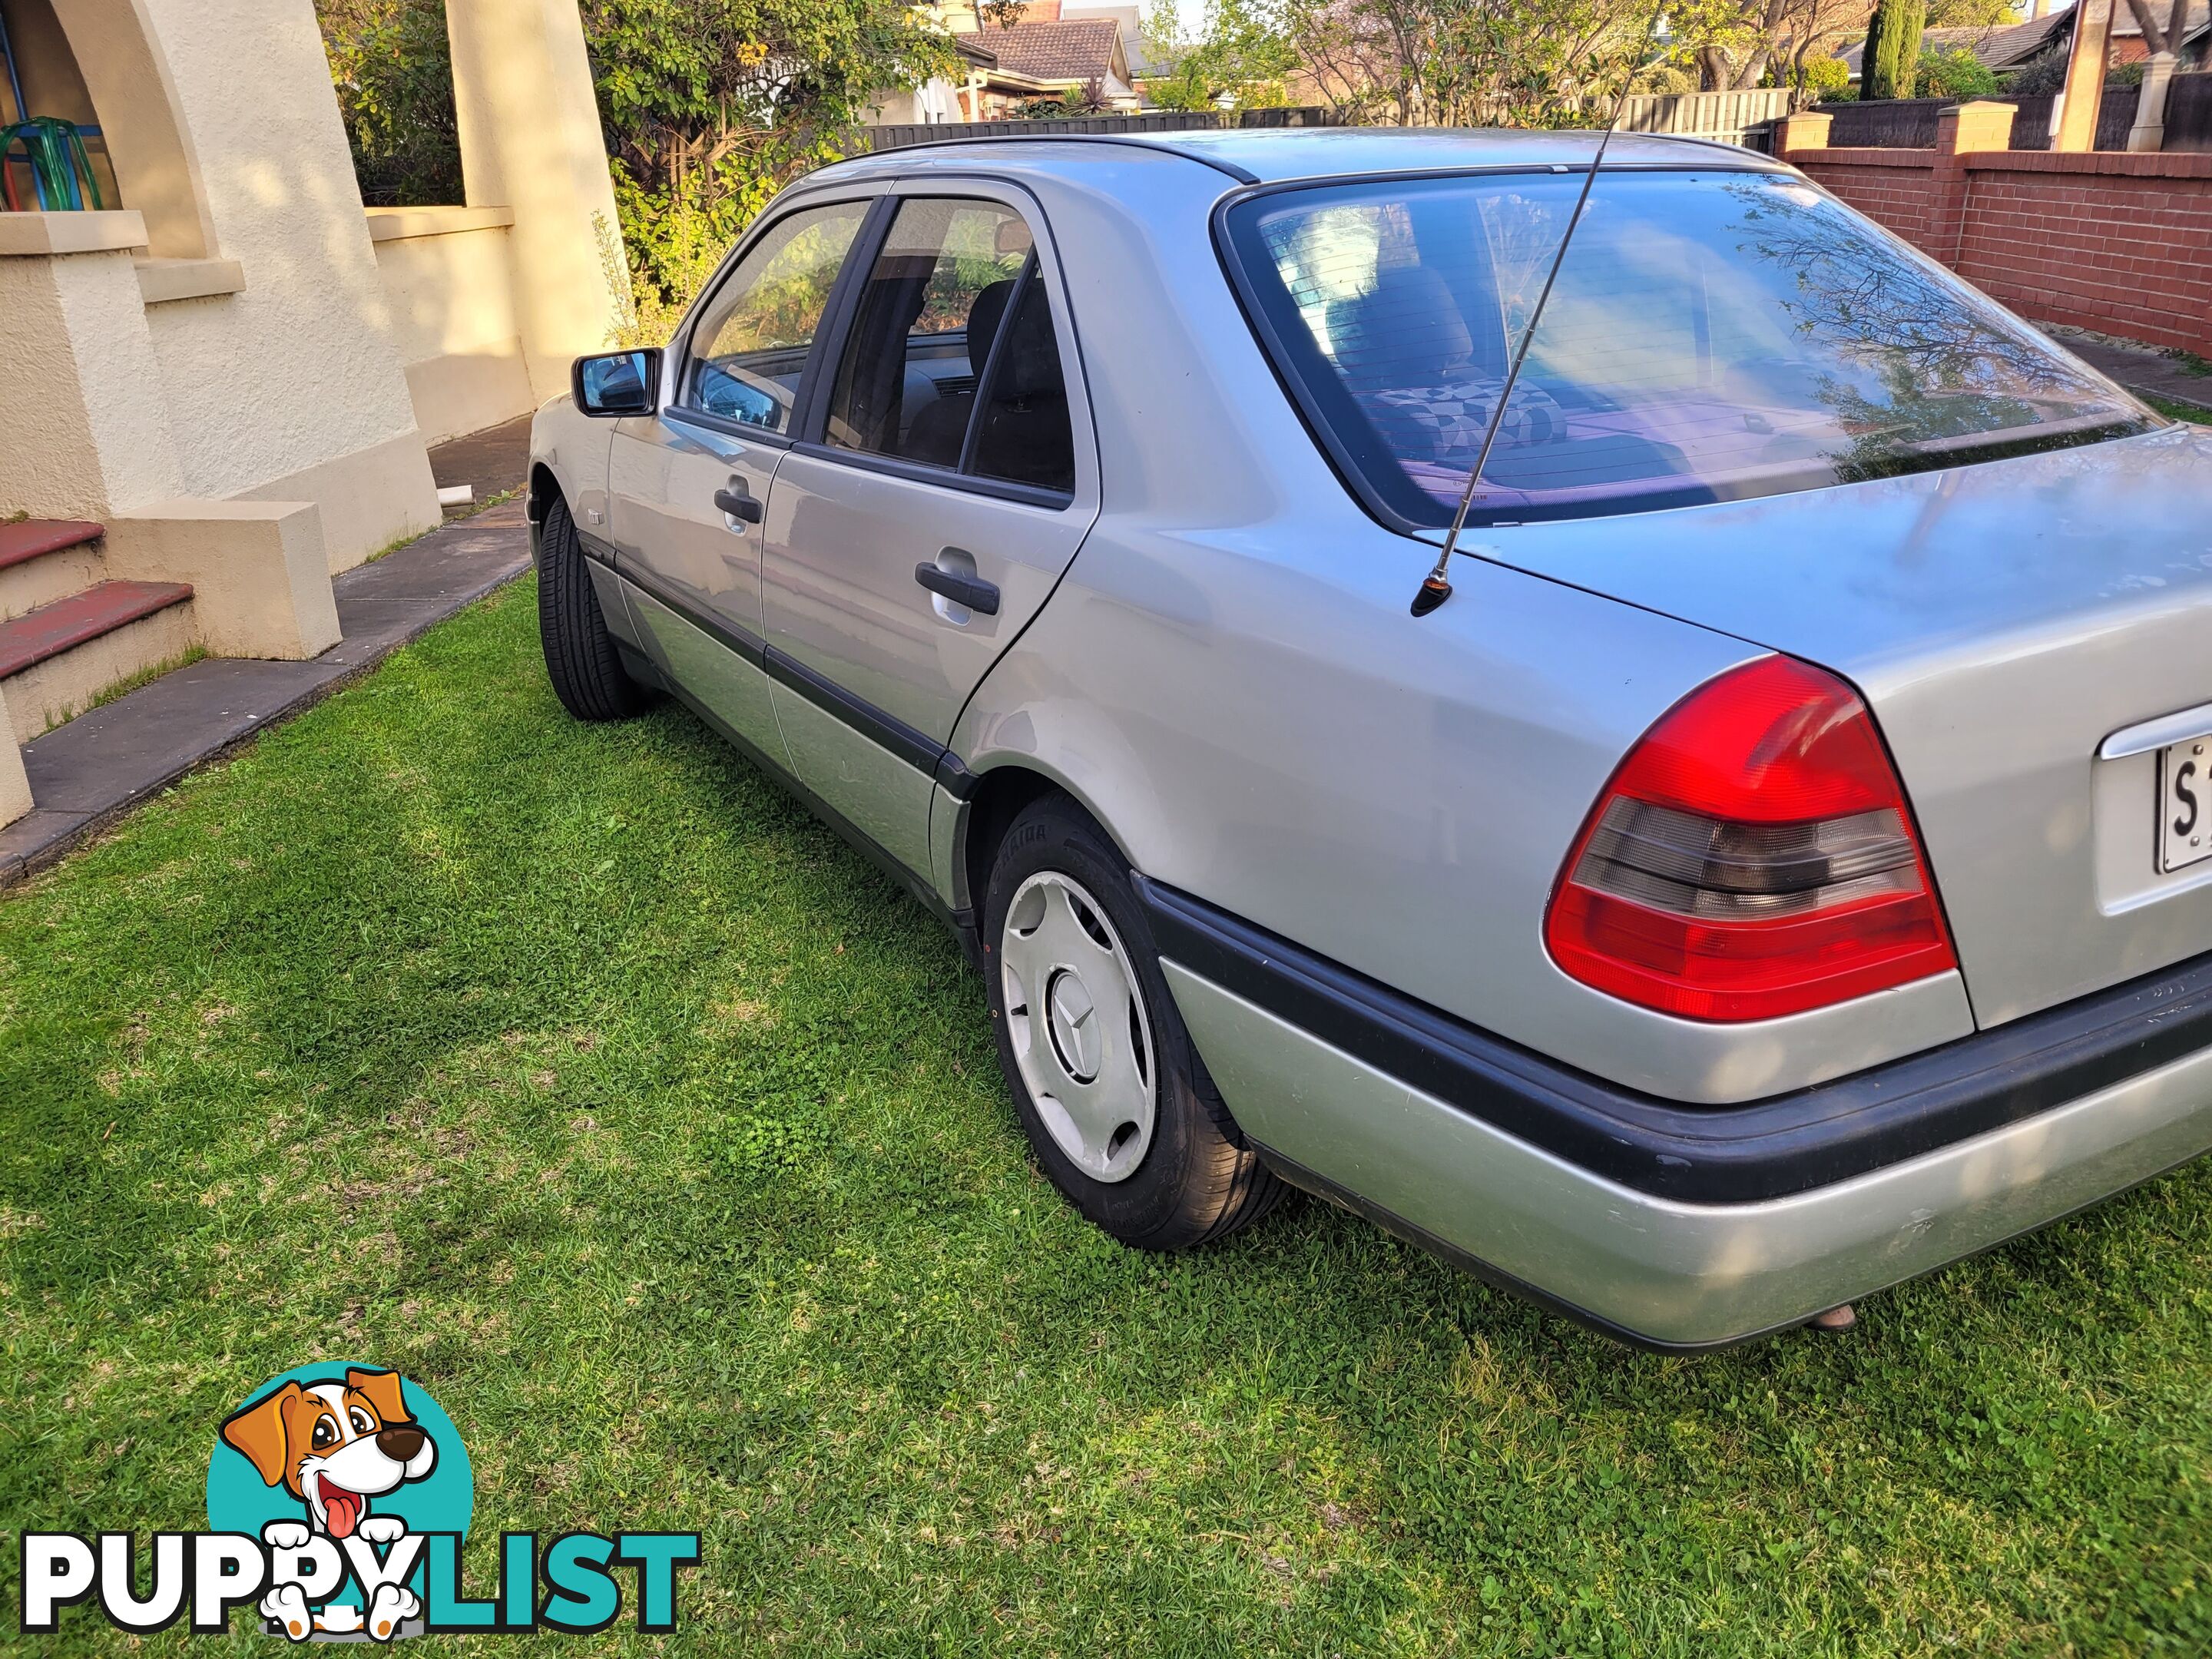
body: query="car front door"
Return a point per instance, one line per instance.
(944, 479)
(689, 486)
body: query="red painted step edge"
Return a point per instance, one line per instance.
(30, 538)
(36, 635)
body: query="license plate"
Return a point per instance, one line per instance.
(2184, 803)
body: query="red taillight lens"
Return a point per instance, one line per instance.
(1753, 857)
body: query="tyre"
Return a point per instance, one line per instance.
(1114, 1099)
(581, 656)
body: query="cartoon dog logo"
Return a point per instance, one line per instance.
(336, 1447)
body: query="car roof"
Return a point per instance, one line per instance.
(1270, 155)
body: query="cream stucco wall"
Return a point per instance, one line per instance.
(449, 283)
(88, 430)
(288, 378)
(529, 125)
(235, 367)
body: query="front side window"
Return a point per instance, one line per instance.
(750, 345)
(1710, 337)
(951, 360)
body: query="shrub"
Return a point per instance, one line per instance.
(1955, 74)
(395, 84)
(1827, 79)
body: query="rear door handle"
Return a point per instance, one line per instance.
(979, 596)
(738, 504)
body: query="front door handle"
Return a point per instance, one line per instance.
(738, 503)
(979, 596)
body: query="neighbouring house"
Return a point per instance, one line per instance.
(1078, 55)
(2129, 46)
(968, 16)
(1058, 48)
(220, 374)
(941, 99)
(2006, 48)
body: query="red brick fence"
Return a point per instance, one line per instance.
(2118, 242)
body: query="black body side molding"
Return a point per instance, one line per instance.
(917, 749)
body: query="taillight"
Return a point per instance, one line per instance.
(1753, 856)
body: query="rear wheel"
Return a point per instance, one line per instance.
(581, 656)
(1112, 1095)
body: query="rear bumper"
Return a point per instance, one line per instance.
(1675, 1227)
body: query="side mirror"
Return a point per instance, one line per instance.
(616, 383)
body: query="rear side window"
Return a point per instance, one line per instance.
(750, 345)
(1710, 337)
(950, 362)
(1021, 433)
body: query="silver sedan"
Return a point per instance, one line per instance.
(1785, 864)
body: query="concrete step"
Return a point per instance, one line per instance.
(56, 660)
(43, 560)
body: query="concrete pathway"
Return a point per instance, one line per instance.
(491, 462)
(2140, 370)
(91, 771)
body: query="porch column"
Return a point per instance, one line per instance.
(2074, 125)
(530, 143)
(2149, 130)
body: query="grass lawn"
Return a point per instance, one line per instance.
(577, 1073)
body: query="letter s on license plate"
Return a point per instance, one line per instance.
(2184, 803)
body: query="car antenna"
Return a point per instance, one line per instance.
(1436, 588)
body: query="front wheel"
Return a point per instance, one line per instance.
(1111, 1093)
(581, 656)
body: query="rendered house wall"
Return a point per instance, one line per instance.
(448, 278)
(291, 388)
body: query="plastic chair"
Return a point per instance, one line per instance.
(55, 152)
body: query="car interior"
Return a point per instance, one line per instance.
(919, 370)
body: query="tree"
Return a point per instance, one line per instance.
(1240, 58)
(710, 107)
(1969, 13)
(1738, 44)
(395, 84)
(1891, 61)
(1469, 63)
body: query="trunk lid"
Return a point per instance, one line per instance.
(2002, 621)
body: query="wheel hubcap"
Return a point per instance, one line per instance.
(1081, 1038)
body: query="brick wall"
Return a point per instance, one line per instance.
(1895, 187)
(2118, 242)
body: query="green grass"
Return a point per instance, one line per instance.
(576, 1072)
(147, 676)
(2176, 410)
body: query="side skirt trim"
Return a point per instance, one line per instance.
(888, 732)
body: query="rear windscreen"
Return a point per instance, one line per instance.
(1710, 336)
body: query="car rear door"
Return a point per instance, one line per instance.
(944, 482)
(689, 486)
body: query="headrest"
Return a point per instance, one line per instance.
(983, 320)
(1405, 330)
